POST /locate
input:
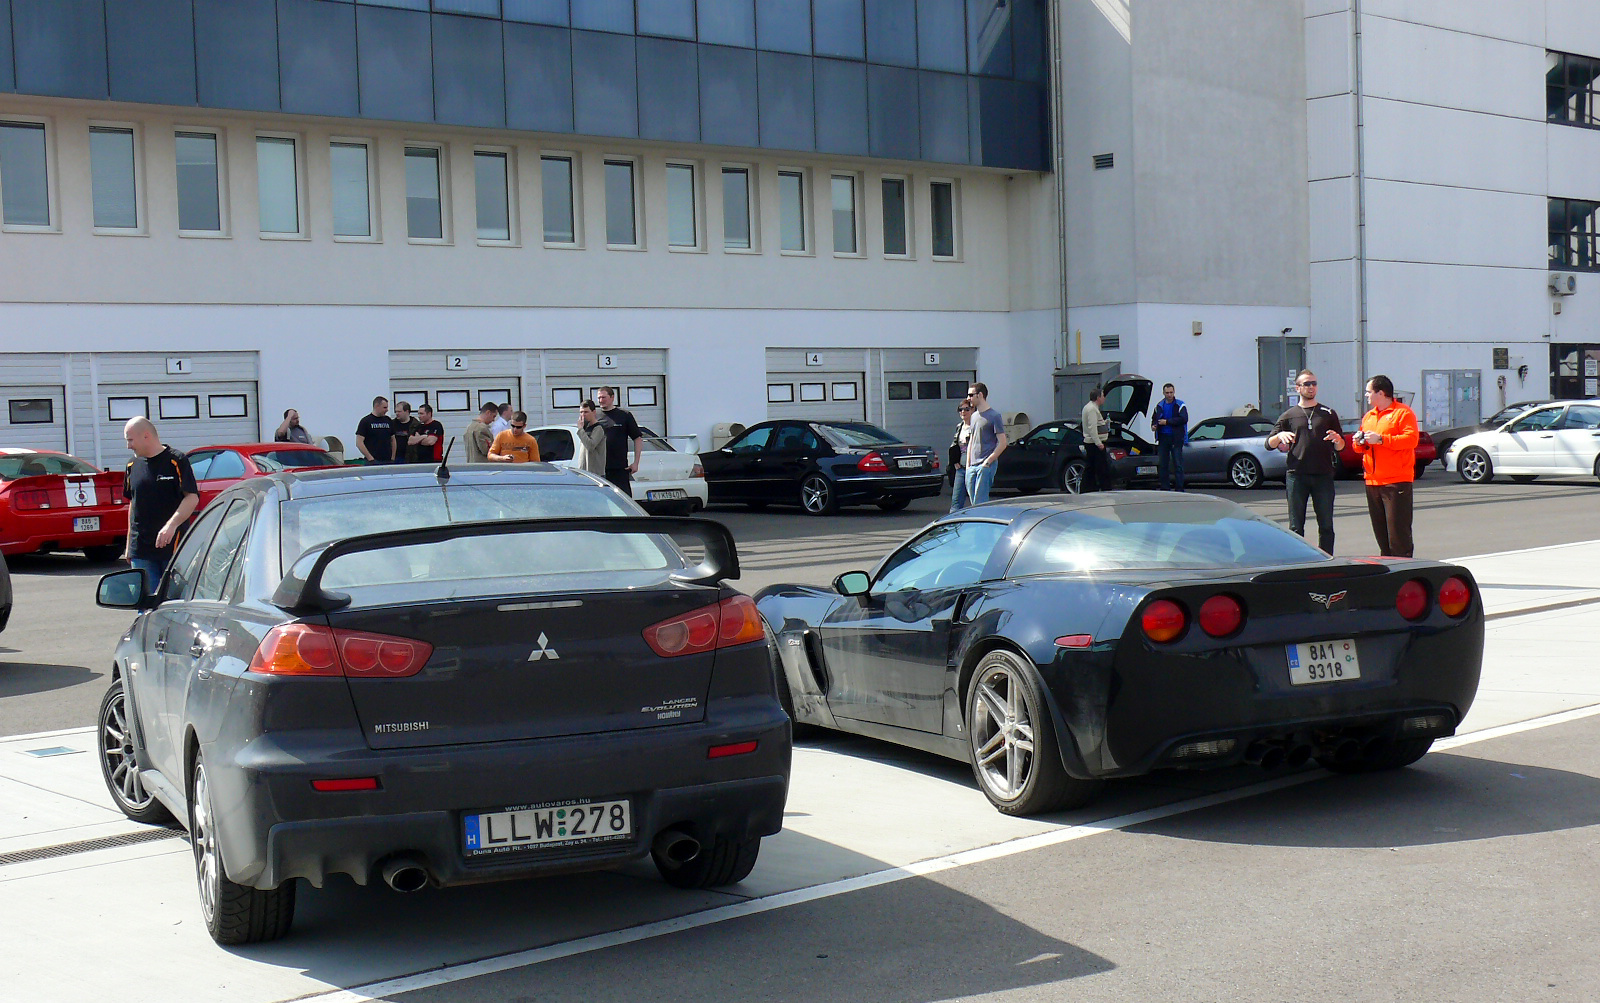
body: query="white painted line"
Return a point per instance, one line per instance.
(377, 991)
(38, 735)
(1524, 550)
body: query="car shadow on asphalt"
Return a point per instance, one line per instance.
(61, 566)
(18, 678)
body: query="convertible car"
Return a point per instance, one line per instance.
(1057, 643)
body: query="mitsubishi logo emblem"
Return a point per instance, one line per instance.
(1327, 601)
(543, 650)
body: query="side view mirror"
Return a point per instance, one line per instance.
(124, 590)
(853, 583)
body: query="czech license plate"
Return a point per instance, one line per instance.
(1323, 662)
(562, 823)
(665, 494)
(909, 462)
(1147, 468)
(87, 524)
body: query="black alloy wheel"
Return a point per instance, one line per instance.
(1071, 477)
(117, 763)
(1012, 742)
(1244, 471)
(1474, 466)
(234, 913)
(817, 495)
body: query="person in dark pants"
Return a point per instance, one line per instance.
(1387, 443)
(160, 487)
(375, 433)
(1171, 421)
(621, 433)
(1096, 465)
(1309, 433)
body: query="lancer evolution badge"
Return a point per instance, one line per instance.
(545, 651)
(1327, 601)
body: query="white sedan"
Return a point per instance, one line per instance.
(1561, 439)
(667, 481)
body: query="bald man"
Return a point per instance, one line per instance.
(160, 487)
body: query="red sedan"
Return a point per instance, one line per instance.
(53, 501)
(1350, 460)
(218, 468)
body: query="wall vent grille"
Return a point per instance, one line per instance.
(1110, 342)
(1104, 161)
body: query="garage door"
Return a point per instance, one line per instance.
(210, 400)
(921, 406)
(35, 417)
(817, 396)
(575, 375)
(455, 402)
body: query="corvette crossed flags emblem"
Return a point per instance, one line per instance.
(1321, 600)
(543, 650)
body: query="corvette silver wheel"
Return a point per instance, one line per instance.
(816, 495)
(1244, 472)
(1474, 466)
(1003, 743)
(116, 754)
(207, 867)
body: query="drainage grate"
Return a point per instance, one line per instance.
(86, 845)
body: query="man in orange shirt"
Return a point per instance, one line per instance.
(515, 445)
(1388, 444)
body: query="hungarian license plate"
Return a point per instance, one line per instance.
(560, 823)
(1147, 468)
(665, 494)
(87, 524)
(1323, 662)
(909, 462)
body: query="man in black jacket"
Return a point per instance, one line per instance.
(1309, 433)
(162, 495)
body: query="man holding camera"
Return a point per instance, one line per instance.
(1387, 443)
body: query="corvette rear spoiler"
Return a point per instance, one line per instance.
(301, 589)
(1335, 569)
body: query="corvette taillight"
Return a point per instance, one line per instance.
(732, 621)
(1411, 601)
(1221, 616)
(873, 463)
(1163, 621)
(1454, 596)
(308, 649)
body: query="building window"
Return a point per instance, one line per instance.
(1572, 89)
(199, 187)
(813, 392)
(562, 398)
(32, 411)
(278, 188)
(113, 185)
(736, 208)
(622, 216)
(493, 172)
(780, 393)
(228, 405)
(843, 188)
(424, 195)
(560, 224)
(928, 390)
(895, 228)
(125, 408)
(943, 205)
(172, 408)
(843, 391)
(900, 390)
(24, 175)
(352, 189)
(455, 400)
(1574, 225)
(682, 223)
(792, 211)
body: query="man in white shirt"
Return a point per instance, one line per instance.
(1097, 467)
(501, 423)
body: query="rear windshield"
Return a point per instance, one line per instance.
(481, 565)
(275, 460)
(1156, 535)
(14, 465)
(854, 434)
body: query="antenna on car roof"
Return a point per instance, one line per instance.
(443, 473)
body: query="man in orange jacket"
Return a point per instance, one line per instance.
(1388, 444)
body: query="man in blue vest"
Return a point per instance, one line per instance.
(1171, 422)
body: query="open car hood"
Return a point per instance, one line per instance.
(1127, 397)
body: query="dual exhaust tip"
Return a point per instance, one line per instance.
(408, 872)
(1294, 752)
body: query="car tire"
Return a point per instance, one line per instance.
(1422, 468)
(1597, 467)
(117, 763)
(817, 495)
(724, 860)
(1524, 478)
(103, 555)
(1394, 756)
(1005, 711)
(1071, 477)
(233, 913)
(1244, 471)
(1474, 466)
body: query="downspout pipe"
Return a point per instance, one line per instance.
(1058, 150)
(1359, 94)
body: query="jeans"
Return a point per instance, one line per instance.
(959, 499)
(153, 568)
(1389, 506)
(979, 479)
(1318, 488)
(1169, 450)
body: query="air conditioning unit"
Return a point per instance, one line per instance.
(1563, 283)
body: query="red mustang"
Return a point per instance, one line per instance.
(53, 501)
(218, 468)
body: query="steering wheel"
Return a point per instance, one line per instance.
(959, 573)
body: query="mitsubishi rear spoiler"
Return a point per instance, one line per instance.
(301, 591)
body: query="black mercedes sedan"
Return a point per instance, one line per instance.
(1059, 643)
(820, 466)
(433, 678)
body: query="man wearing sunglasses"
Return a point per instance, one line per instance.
(1309, 433)
(515, 445)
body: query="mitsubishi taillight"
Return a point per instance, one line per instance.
(697, 471)
(1163, 621)
(1221, 616)
(873, 463)
(732, 621)
(308, 649)
(31, 501)
(1411, 601)
(1454, 596)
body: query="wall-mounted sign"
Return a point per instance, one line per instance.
(606, 361)
(813, 358)
(180, 367)
(456, 363)
(1502, 358)
(930, 358)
